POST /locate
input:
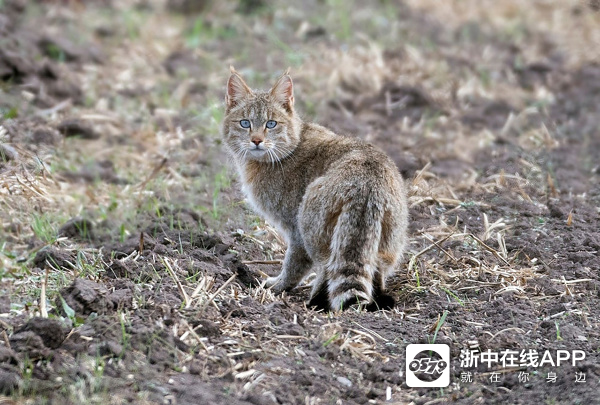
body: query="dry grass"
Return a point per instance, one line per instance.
(136, 63)
(572, 24)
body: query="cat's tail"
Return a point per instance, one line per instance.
(352, 265)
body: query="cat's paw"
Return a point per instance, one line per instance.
(275, 284)
(271, 281)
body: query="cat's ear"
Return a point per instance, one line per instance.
(237, 89)
(283, 92)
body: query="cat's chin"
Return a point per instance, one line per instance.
(260, 155)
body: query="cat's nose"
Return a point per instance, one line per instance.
(257, 140)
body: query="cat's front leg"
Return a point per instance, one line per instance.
(295, 266)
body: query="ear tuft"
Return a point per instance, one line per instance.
(283, 92)
(237, 89)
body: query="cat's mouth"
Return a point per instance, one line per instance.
(257, 151)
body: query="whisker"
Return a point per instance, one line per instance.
(271, 157)
(287, 153)
(276, 150)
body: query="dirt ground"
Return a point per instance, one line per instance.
(131, 267)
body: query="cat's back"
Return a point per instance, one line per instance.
(352, 158)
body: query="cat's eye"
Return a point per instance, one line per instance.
(271, 124)
(245, 123)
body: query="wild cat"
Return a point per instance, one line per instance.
(339, 202)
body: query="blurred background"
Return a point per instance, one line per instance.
(135, 82)
(101, 95)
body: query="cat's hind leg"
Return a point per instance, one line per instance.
(319, 296)
(390, 251)
(381, 299)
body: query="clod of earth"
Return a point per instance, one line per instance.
(53, 257)
(51, 331)
(45, 136)
(84, 297)
(76, 127)
(95, 171)
(9, 381)
(77, 228)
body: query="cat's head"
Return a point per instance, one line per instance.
(260, 125)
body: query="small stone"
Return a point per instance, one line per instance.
(7, 153)
(344, 381)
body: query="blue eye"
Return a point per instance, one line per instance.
(245, 124)
(271, 124)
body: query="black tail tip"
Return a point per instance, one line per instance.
(381, 301)
(320, 301)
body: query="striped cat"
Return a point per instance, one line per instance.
(339, 202)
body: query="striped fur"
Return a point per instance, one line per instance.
(339, 202)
